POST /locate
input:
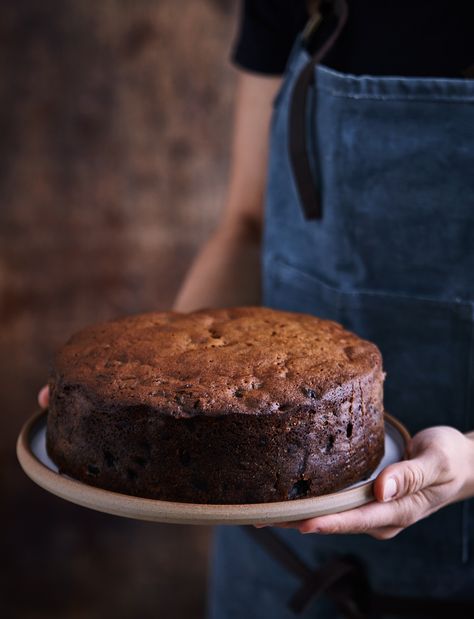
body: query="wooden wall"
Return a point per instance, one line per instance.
(114, 128)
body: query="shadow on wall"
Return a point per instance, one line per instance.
(113, 158)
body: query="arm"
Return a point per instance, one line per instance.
(227, 270)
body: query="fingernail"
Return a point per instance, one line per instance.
(390, 489)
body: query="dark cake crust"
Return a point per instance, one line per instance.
(239, 405)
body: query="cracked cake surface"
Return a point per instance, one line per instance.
(238, 405)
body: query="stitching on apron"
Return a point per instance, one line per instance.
(469, 100)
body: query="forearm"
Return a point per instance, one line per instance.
(227, 270)
(225, 273)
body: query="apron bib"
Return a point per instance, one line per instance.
(391, 258)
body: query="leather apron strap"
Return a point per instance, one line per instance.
(344, 580)
(321, 33)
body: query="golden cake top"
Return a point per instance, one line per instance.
(216, 361)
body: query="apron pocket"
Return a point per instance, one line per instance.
(425, 343)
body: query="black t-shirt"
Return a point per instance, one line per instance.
(381, 37)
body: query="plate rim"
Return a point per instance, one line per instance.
(175, 512)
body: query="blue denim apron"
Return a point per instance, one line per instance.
(392, 259)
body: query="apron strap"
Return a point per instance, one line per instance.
(321, 33)
(344, 580)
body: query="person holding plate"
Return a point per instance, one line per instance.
(351, 197)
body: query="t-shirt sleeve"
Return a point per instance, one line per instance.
(267, 31)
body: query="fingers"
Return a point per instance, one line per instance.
(379, 533)
(360, 520)
(384, 533)
(382, 520)
(43, 397)
(396, 514)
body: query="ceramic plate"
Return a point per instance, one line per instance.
(31, 451)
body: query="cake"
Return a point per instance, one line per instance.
(239, 405)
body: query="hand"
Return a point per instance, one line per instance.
(43, 397)
(440, 471)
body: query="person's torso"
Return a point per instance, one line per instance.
(391, 258)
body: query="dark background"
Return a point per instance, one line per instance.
(114, 128)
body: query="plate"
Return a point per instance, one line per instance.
(31, 452)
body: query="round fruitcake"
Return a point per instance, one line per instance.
(239, 405)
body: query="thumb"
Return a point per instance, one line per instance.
(43, 397)
(407, 477)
